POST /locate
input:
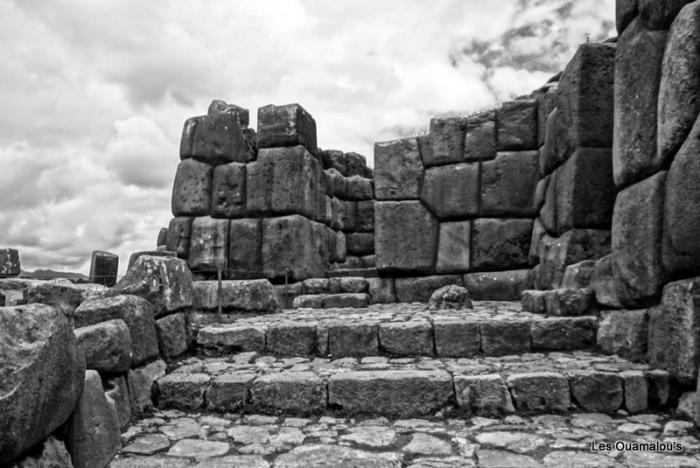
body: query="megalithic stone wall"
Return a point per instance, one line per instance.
(267, 204)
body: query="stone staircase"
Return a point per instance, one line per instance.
(334, 292)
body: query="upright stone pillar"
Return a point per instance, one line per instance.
(103, 268)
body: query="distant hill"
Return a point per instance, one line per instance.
(52, 274)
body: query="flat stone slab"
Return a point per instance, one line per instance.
(263, 441)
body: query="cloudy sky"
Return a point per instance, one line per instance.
(94, 92)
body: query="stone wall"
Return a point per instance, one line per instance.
(267, 204)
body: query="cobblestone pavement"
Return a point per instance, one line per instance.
(174, 438)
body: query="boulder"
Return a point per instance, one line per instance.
(140, 381)
(93, 430)
(191, 189)
(287, 125)
(64, 295)
(166, 282)
(574, 246)
(135, 311)
(516, 124)
(218, 106)
(117, 390)
(450, 297)
(43, 371)
(452, 191)
(103, 268)
(228, 191)
(106, 345)
(236, 296)
(499, 244)
(625, 12)
(398, 171)
(9, 263)
(657, 14)
(173, 339)
(508, 184)
(209, 245)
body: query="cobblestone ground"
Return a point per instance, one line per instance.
(174, 438)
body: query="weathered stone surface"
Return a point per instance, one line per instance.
(674, 330)
(43, 371)
(199, 449)
(346, 300)
(497, 285)
(140, 381)
(172, 335)
(338, 246)
(659, 387)
(681, 248)
(540, 391)
(500, 243)
(452, 191)
(559, 333)
(398, 170)
(359, 188)
(218, 138)
(352, 339)
(381, 290)
(9, 263)
(538, 242)
(291, 339)
(287, 125)
(396, 393)
(228, 191)
(217, 106)
(501, 458)
(151, 253)
(453, 247)
(422, 288)
(308, 301)
(637, 75)
(191, 189)
(106, 345)
(103, 268)
(548, 213)
(456, 337)
(165, 282)
(291, 249)
(228, 392)
(541, 192)
(333, 159)
(232, 338)
(508, 184)
(350, 284)
(406, 237)
(624, 333)
(603, 284)
(411, 338)
(188, 131)
(348, 215)
(335, 183)
(356, 165)
(365, 216)
(625, 12)
(480, 137)
(549, 151)
(178, 239)
(534, 301)
(51, 453)
(64, 295)
(516, 123)
(286, 293)
(637, 267)
(93, 429)
(117, 390)
(209, 245)
(294, 392)
(572, 247)
(182, 391)
(360, 243)
(147, 444)
(636, 390)
(245, 248)
(679, 103)
(546, 103)
(447, 138)
(578, 275)
(585, 100)
(570, 302)
(585, 192)
(284, 181)
(660, 14)
(483, 395)
(138, 314)
(450, 297)
(313, 456)
(501, 338)
(236, 295)
(599, 392)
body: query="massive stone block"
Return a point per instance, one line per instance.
(217, 106)
(294, 392)
(659, 14)
(406, 237)
(172, 335)
(585, 100)
(548, 213)
(283, 181)
(140, 380)
(674, 330)
(208, 245)
(291, 248)
(625, 12)
(360, 243)
(497, 285)
(516, 124)
(508, 184)
(447, 138)
(218, 138)
(480, 137)
(574, 246)
(452, 191)
(679, 102)
(358, 188)
(333, 159)
(398, 170)
(236, 296)
(585, 192)
(356, 165)
(187, 139)
(106, 345)
(546, 103)
(178, 240)
(636, 242)
(549, 151)
(228, 191)
(287, 125)
(245, 249)
(681, 246)
(624, 333)
(43, 372)
(9, 263)
(499, 244)
(365, 216)
(191, 189)
(454, 247)
(103, 268)
(603, 284)
(637, 75)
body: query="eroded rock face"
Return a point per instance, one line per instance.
(450, 297)
(51, 454)
(42, 373)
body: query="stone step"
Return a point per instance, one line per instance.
(489, 329)
(415, 387)
(565, 302)
(327, 301)
(172, 437)
(344, 272)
